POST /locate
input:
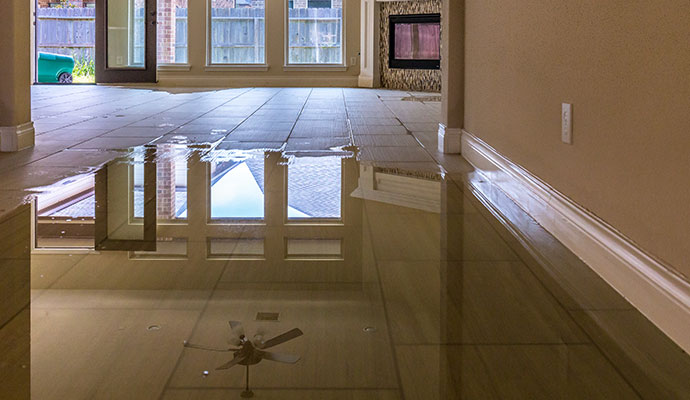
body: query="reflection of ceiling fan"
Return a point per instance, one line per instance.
(251, 352)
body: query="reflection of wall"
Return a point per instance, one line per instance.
(407, 79)
(14, 263)
(15, 267)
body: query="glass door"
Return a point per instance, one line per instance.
(125, 41)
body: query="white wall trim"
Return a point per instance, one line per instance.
(315, 67)
(369, 65)
(449, 139)
(15, 138)
(174, 67)
(654, 288)
(236, 68)
(243, 80)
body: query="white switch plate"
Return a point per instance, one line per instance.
(353, 61)
(567, 123)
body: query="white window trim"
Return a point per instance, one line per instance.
(287, 66)
(174, 67)
(210, 66)
(315, 67)
(236, 67)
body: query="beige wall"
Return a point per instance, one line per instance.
(15, 39)
(275, 76)
(625, 66)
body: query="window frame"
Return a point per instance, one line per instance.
(214, 67)
(288, 66)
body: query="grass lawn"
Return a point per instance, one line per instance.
(84, 79)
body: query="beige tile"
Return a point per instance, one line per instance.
(121, 299)
(280, 394)
(654, 365)
(105, 353)
(404, 154)
(430, 372)
(145, 132)
(379, 130)
(334, 350)
(15, 357)
(114, 143)
(386, 140)
(46, 269)
(472, 302)
(553, 372)
(418, 236)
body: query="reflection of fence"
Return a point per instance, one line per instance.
(70, 31)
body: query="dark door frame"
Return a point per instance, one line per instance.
(125, 75)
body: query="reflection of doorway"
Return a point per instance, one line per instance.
(65, 38)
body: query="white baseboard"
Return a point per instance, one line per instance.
(655, 289)
(235, 80)
(449, 139)
(15, 138)
(365, 81)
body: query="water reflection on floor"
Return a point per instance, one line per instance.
(402, 281)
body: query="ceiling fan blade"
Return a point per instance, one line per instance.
(200, 347)
(236, 328)
(236, 331)
(280, 357)
(289, 335)
(231, 363)
(235, 324)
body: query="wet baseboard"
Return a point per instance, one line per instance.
(654, 288)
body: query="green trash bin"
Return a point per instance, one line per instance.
(55, 68)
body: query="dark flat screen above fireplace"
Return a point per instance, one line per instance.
(415, 41)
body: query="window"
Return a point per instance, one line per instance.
(237, 32)
(172, 31)
(315, 32)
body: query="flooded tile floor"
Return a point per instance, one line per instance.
(313, 238)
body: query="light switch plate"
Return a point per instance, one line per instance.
(567, 123)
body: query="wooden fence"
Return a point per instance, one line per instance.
(70, 31)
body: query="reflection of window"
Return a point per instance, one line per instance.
(314, 188)
(172, 31)
(314, 248)
(171, 194)
(166, 248)
(65, 213)
(237, 189)
(237, 32)
(235, 248)
(315, 31)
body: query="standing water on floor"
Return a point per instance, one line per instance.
(182, 272)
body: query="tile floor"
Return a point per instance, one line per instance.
(416, 290)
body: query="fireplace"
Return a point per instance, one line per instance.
(415, 41)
